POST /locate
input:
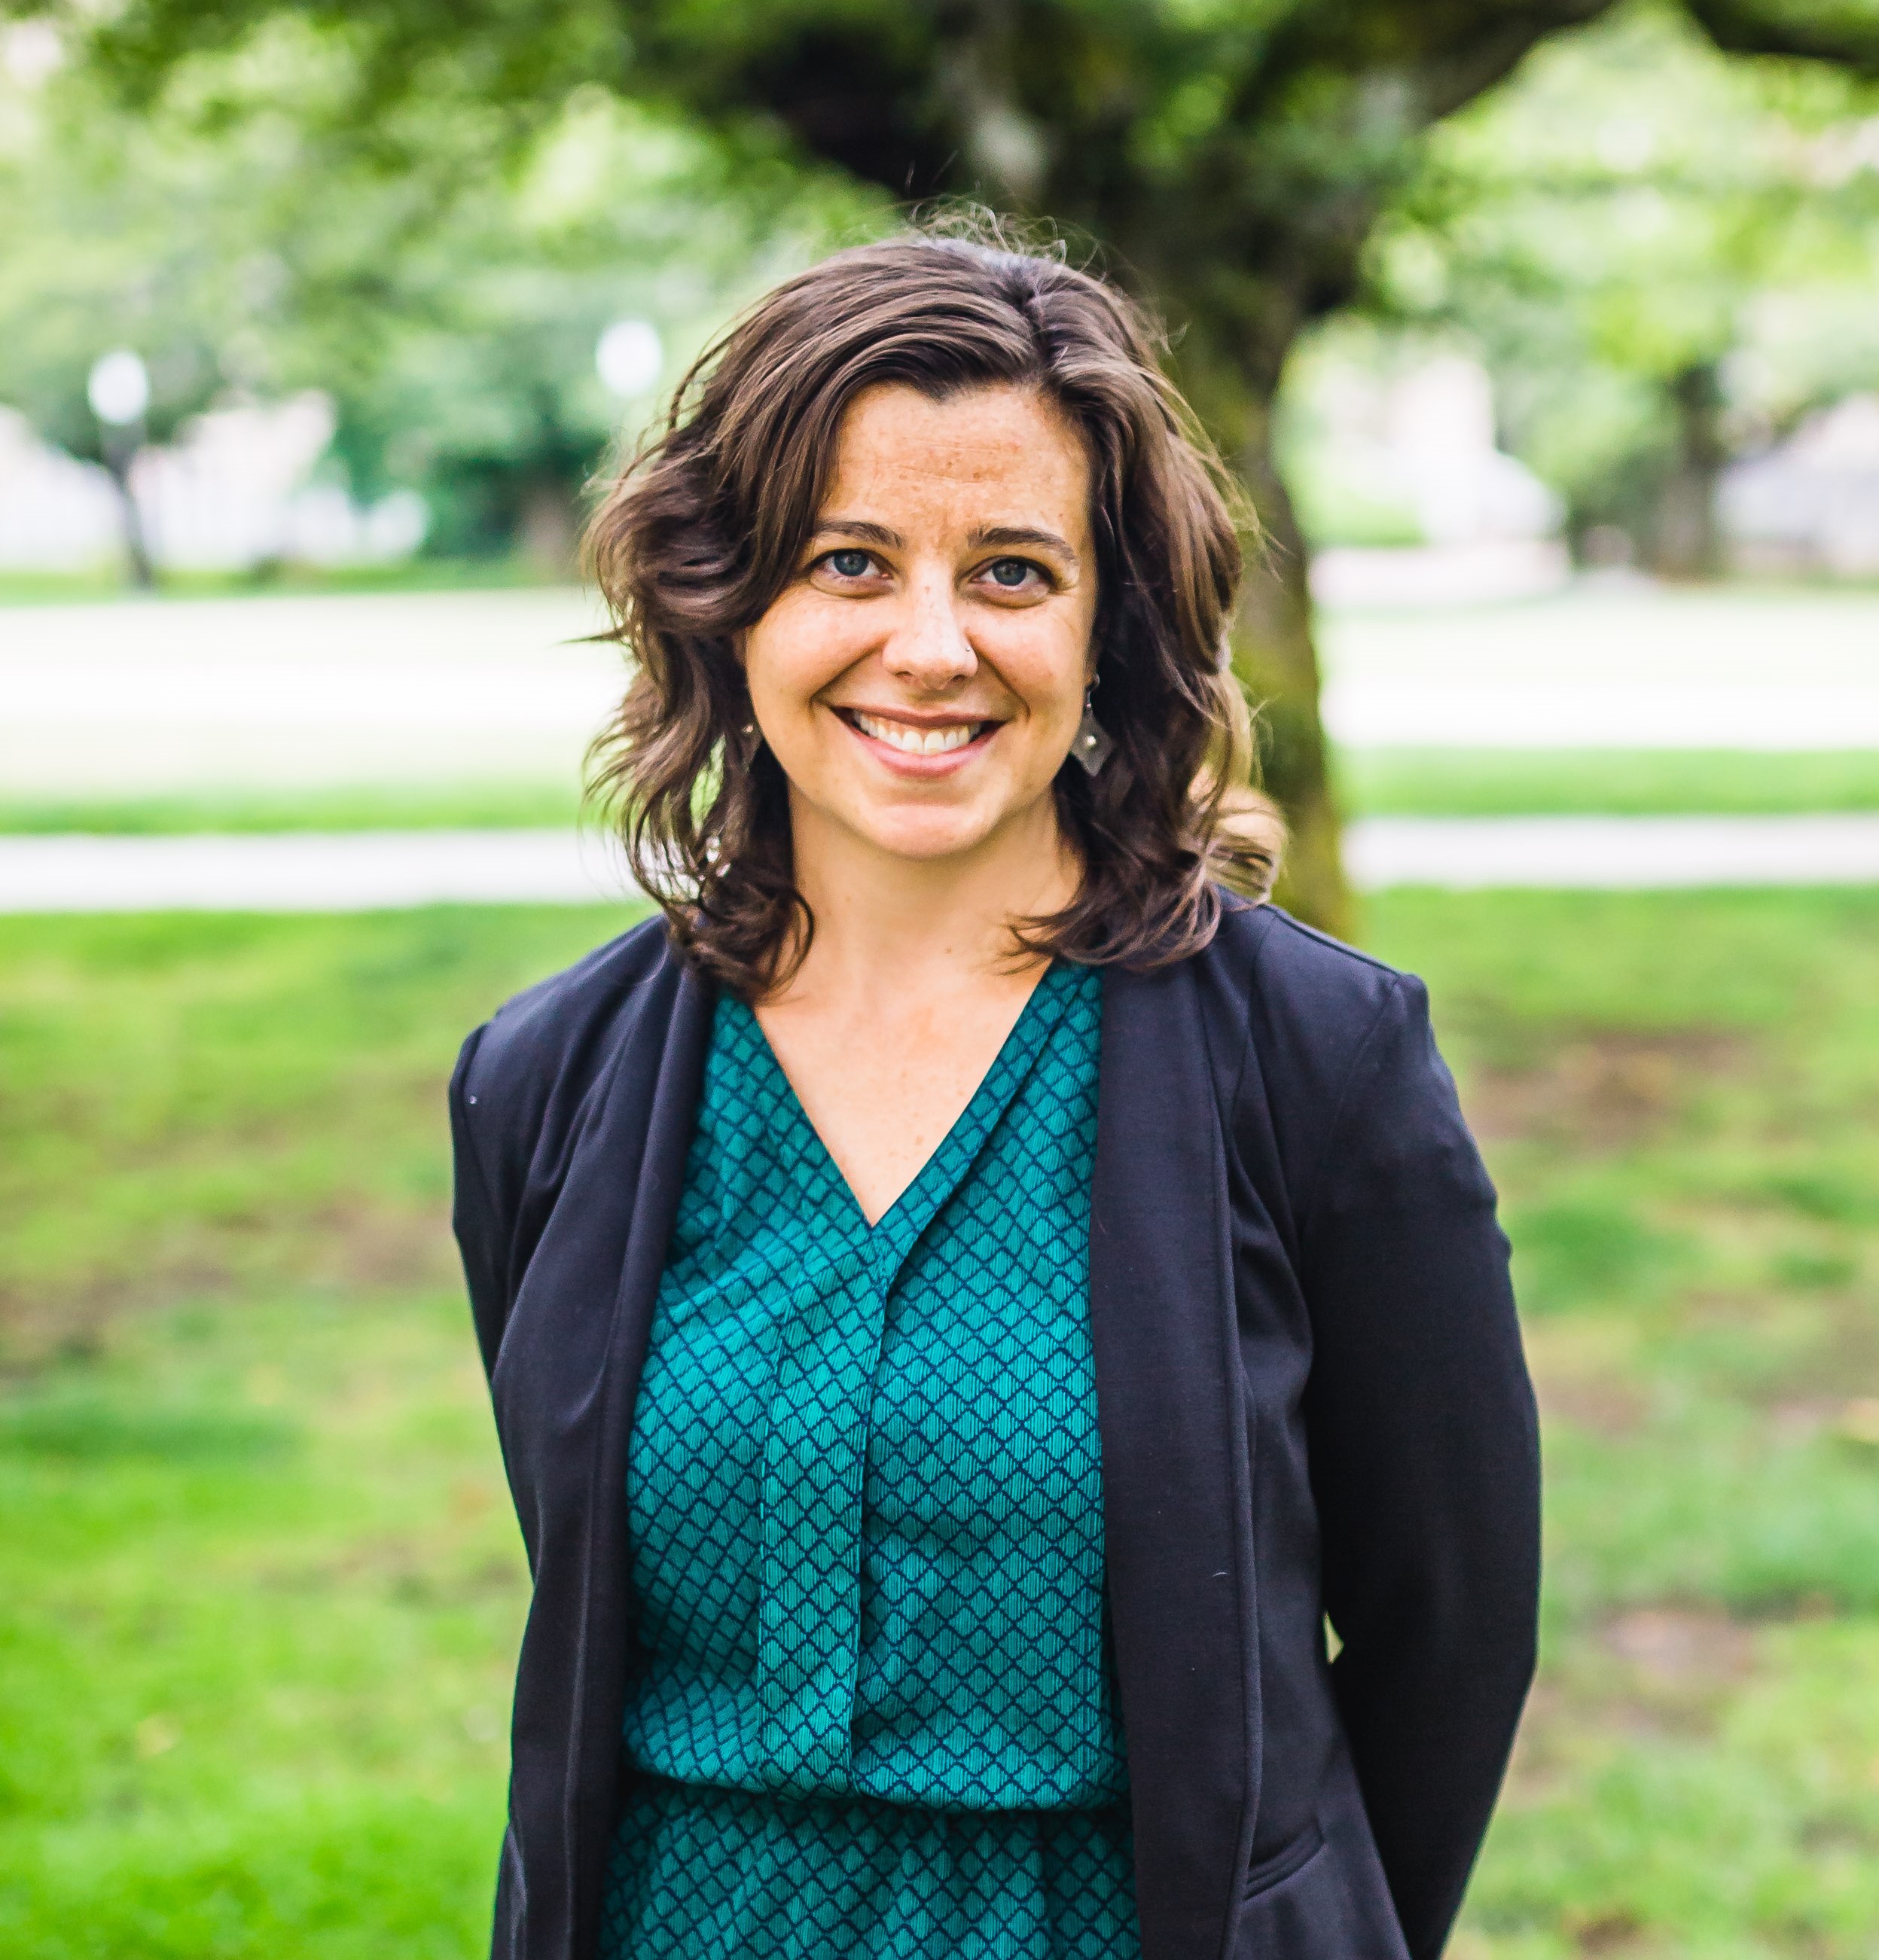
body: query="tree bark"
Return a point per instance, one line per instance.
(1276, 654)
(1688, 543)
(120, 452)
(547, 528)
(1231, 377)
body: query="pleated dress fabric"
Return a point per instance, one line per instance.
(873, 1717)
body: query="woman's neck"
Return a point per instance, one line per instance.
(886, 925)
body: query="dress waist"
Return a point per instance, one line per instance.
(708, 1872)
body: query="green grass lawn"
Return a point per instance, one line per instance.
(259, 1589)
(418, 575)
(1371, 782)
(472, 805)
(1621, 782)
(1677, 1096)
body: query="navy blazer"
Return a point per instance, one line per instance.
(1310, 1395)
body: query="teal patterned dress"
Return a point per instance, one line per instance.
(872, 1716)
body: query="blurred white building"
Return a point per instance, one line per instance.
(1811, 505)
(56, 514)
(235, 490)
(1423, 446)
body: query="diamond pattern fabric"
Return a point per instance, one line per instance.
(873, 1717)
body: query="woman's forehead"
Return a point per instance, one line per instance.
(1004, 444)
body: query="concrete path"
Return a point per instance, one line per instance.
(1611, 667)
(1612, 853)
(146, 697)
(365, 871)
(307, 871)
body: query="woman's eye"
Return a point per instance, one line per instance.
(850, 564)
(1011, 573)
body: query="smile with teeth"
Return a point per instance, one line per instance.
(912, 741)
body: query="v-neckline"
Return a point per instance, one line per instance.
(1023, 1042)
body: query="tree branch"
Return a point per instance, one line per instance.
(1845, 32)
(1449, 52)
(1457, 70)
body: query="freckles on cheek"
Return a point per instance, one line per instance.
(799, 648)
(774, 656)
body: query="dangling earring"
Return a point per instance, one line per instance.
(1093, 742)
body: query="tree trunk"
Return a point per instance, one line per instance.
(1231, 375)
(547, 529)
(119, 454)
(1687, 542)
(1276, 654)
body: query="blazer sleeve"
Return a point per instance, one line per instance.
(1424, 1455)
(481, 1216)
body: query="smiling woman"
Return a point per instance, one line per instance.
(895, 490)
(969, 1291)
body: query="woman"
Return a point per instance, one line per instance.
(965, 1296)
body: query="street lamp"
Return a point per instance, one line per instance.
(118, 389)
(628, 358)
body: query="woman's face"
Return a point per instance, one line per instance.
(921, 676)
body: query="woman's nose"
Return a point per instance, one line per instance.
(928, 646)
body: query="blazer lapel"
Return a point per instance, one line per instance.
(1176, 1508)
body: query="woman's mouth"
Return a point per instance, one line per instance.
(941, 739)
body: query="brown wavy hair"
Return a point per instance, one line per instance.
(706, 526)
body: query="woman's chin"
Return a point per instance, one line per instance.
(927, 845)
(921, 829)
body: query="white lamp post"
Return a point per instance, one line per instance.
(118, 389)
(628, 358)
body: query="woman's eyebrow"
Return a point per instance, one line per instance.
(859, 527)
(1008, 537)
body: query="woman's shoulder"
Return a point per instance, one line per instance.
(1308, 1035)
(552, 1038)
(1297, 978)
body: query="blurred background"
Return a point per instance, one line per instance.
(1545, 341)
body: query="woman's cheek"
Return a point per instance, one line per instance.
(1045, 667)
(794, 653)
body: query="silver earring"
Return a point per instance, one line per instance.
(1093, 742)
